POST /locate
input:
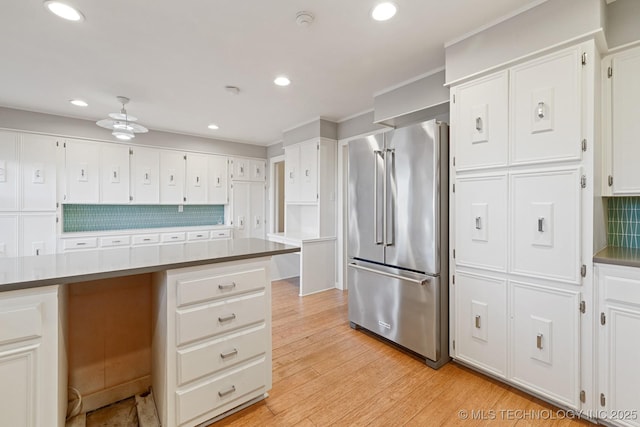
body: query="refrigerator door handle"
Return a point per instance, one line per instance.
(389, 173)
(395, 276)
(376, 153)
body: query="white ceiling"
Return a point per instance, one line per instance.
(173, 58)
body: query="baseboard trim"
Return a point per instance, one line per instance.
(114, 394)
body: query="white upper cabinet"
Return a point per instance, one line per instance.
(481, 123)
(145, 175)
(172, 174)
(218, 185)
(301, 169)
(546, 224)
(114, 173)
(258, 170)
(82, 176)
(292, 167)
(197, 181)
(623, 115)
(8, 171)
(38, 165)
(546, 108)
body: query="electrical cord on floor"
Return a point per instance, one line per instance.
(74, 403)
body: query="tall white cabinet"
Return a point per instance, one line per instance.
(28, 187)
(521, 236)
(248, 197)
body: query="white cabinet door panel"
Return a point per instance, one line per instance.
(625, 110)
(172, 170)
(241, 209)
(546, 224)
(8, 171)
(545, 341)
(8, 236)
(145, 175)
(197, 178)
(258, 168)
(257, 204)
(38, 234)
(218, 185)
(240, 169)
(308, 172)
(481, 121)
(82, 172)
(292, 168)
(546, 109)
(38, 164)
(481, 322)
(481, 221)
(114, 173)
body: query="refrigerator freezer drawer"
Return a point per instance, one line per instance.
(400, 306)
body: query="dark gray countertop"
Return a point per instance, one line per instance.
(618, 256)
(81, 266)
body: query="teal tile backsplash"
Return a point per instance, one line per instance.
(623, 225)
(77, 218)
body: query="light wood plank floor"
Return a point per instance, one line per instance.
(327, 374)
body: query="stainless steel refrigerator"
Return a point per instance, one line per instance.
(398, 238)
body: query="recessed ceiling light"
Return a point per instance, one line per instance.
(384, 11)
(64, 11)
(79, 103)
(213, 126)
(282, 81)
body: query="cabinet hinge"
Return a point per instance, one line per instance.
(583, 270)
(603, 400)
(57, 205)
(57, 143)
(131, 198)
(131, 151)
(583, 396)
(583, 307)
(184, 199)
(454, 160)
(64, 145)
(583, 181)
(584, 145)
(454, 279)
(317, 196)
(609, 72)
(318, 147)
(454, 254)
(584, 58)
(184, 157)
(603, 319)
(454, 344)
(610, 180)
(57, 220)
(454, 188)
(454, 98)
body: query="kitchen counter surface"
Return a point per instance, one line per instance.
(618, 256)
(81, 266)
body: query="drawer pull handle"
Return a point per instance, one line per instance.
(174, 237)
(116, 241)
(478, 223)
(80, 244)
(541, 225)
(477, 322)
(539, 341)
(229, 353)
(540, 110)
(199, 235)
(479, 124)
(227, 286)
(228, 318)
(227, 391)
(146, 240)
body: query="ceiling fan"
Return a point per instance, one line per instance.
(122, 123)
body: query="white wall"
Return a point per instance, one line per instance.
(623, 22)
(77, 128)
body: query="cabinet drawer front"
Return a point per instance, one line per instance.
(216, 286)
(173, 237)
(146, 239)
(198, 235)
(80, 243)
(221, 394)
(106, 242)
(222, 316)
(220, 234)
(206, 359)
(20, 323)
(620, 284)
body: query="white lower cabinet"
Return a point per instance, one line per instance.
(211, 341)
(481, 322)
(248, 208)
(34, 382)
(8, 236)
(545, 341)
(38, 231)
(618, 373)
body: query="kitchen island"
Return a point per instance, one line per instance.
(193, 300)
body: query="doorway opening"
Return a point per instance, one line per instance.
(278, 197)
